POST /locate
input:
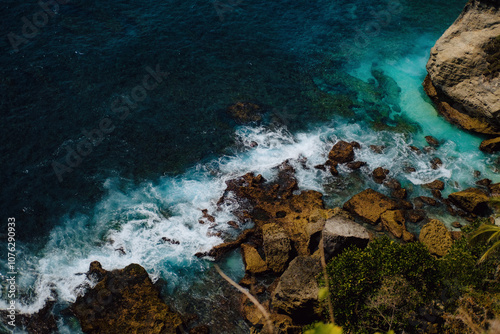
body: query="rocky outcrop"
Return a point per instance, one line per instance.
(490, 145)
(341, 232)
(471, 200)
(297, 291)
(124, 301)
(370, 205)
(436, 237)
(460, 79)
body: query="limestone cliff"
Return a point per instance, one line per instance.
(463, 70)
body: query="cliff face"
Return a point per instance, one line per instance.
(463, 78)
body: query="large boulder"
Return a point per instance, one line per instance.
(124, 301)
(341, 232)
(297, 291)
(471, 200)
(463, 78)
(436, 237)
(341, 152)
(370, 205)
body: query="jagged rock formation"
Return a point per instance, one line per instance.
(462, 78)
(124, 301)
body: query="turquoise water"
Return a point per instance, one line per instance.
(322, 71)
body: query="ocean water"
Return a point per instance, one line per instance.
(321, 71)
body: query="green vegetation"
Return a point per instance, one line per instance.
(402, 287)
(492, 50)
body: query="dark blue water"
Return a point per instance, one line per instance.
(320, 70)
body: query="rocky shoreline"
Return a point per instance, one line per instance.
(293, 229)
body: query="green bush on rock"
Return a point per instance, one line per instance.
(394, 286)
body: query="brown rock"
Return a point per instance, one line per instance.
(494, 189)
(408, 237)
(355, 144)
(471, 200)
(379, 174)
(277, 247)
(252, 260)
(245, 112)
(490, 145)
(297, 291)
(394, 222)
(437, 194)
(484, 182)
(232, 223)
(399, 193)
(436, 237)
(426, 200)
(477, 174)
(436, 184)
(356, 164)
(203, 329)
(432, 141)
(415, 149)
(333, 170)
(404, 204)
(321, 167)
(341, 152)
(392, 184)
(409, 170)
(379, 149)
(125, 301)
(456, 235)
(221, 249)
(415, 216)
(369, 205)
(436, 163)
(456, 224)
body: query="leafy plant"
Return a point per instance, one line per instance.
(489, 234)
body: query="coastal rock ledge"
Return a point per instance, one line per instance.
(463, 70)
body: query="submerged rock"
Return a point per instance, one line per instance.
(436, 237)
(432, 141)
(379, 174)
(370, 205)
(460, 80)
(436, 184)
(124, 301)
(245, 112)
